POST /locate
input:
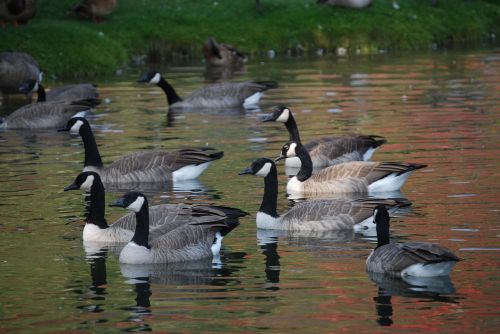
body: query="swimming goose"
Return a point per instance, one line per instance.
(163, 217)
(407, 259)
(327, 151)
(319, 215)
(347, 3)
(46, 115)
(348, 177)
(15, 69)
(192, 241)
(67, 92)
(219, 54)
(143, 166)
(95, 9)
(220, 95)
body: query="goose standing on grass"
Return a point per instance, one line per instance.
(349, 177)
(17, 11)
(320, 215)
(193, 241)
(220, 54)
(347, 3)
(220, 95)
(162, 218)
(144, 166)
(406, 259)
(47, 115)
(15, 69)
(68, 92)
(327, 151)
(94, 9)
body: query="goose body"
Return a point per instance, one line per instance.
(143, 166)
(327, 151)
(46, 115)
(163, 218)
(95, 9)
(68, 92)
(17, 11)
(193, 241)
(361, 177)
(220, 95)
(319, 215)
(406, 259)
(15, 69)
(219, 54)
(347, 3)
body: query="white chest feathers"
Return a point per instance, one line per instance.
(294, 186)
(267, 222)
(132, 253)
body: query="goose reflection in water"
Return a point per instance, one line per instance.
(268, 244)
(438, 288)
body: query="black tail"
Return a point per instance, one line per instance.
(377, 140)
(268, 84)
(217, 155)
(412, 167)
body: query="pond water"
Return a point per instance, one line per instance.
(440, 109)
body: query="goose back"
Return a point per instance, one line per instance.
(44, 115)
(73, 92)
(94, 8)
(15, 69)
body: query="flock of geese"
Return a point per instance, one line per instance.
(170, 233)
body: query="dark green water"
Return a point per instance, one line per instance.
(438, 109)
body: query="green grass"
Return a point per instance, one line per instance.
(68, 47)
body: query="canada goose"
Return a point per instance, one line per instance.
(45, 115)
(219, 54)
(220, 95)
(347, 3)
(95, 9)
(163, 218)
(349, 177)
(17, 11)
(143, 166)
(15, 69)
(192, 241)
(320, 215)
(327, 151)
(68, 92)
(406, 259)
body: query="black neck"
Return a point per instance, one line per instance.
(306, 167)
(170, 92)
(270, 198)
(92, 156)
(292, 128)
(41, 93)
(96, 208)
(382, 233)
(141, 234)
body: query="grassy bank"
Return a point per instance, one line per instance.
(68, 47)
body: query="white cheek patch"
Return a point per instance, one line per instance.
(156, 79)
(136, 205)
(76, 128)
(35, 87)
(291, 150)
(264, 171)
(40, 77)
(285, 114)
(89, 181)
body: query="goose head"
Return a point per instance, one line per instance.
(84, 181)
(260, 167)
(75, 124)
(133, 201)
(289, 150)
(29, 86)
(152, 78)
(281, 113)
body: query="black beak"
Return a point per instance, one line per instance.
(247, 170)
(269, 118)
(281, 157)
(144, 78)
(72, 186)
(120, 202)
(63, 130)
